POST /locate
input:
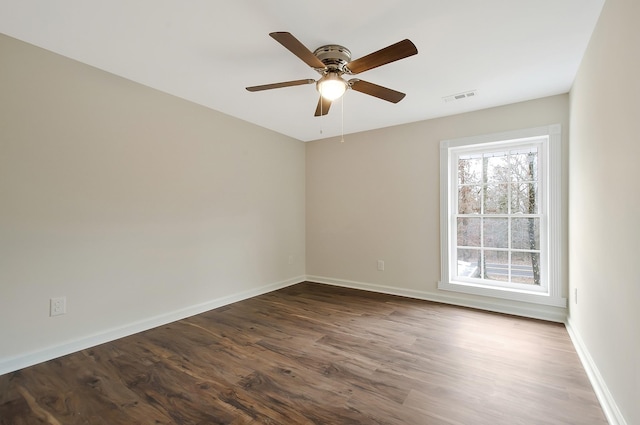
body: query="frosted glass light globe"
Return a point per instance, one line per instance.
(331, 86)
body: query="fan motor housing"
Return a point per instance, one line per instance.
(334, 56)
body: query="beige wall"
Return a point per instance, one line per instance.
(131, 203)
(376, 197)
(604, 203)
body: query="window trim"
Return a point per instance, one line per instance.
(552, 175)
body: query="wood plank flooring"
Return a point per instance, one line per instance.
(316, 354)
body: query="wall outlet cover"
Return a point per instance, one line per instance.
(58, 306)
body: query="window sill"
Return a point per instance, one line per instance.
(505, 293)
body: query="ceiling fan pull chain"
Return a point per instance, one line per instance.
(321, 115)
(342, 130)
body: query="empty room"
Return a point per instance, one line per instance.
(292, 212)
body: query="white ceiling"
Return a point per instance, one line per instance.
(208, 51)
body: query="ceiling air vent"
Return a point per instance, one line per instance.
(460, 96)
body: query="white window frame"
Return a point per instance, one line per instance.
(549, 292)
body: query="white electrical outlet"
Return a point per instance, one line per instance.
(58, 306)
(381, 265)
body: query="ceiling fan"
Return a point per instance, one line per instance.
(333, 61)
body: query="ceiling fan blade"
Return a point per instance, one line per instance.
(400, 50)
(297, 48)
(323, 107)
(280, 85)
(380, 92)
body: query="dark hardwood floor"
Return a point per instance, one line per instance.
(316, 354)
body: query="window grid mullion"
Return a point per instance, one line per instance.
(509, 199)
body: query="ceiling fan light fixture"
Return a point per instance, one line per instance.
(332, 61)
(331, 86)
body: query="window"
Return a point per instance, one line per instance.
(500, 215)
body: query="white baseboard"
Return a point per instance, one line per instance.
(609, 406)
(533, 311)
(49, 353)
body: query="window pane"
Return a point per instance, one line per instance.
(469, 170)
(525, 268)
(524, 164)
(524, 198)
(525, 233)
(496, 232)
(469, 199)
(496, 265)
(496, 199)
(468, 262)
(469, 231)
(497, 167)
